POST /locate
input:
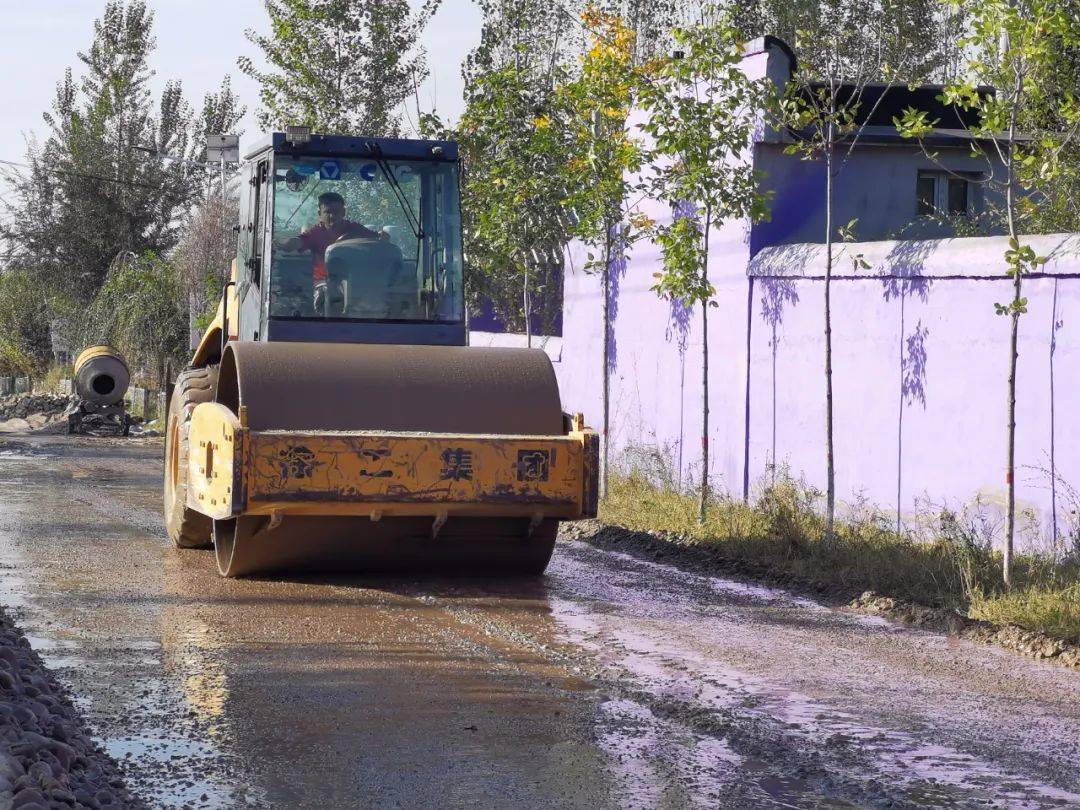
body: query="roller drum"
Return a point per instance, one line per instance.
(437, 389)
(394, 388)
(101, 376)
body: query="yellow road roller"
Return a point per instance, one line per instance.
(333, 417)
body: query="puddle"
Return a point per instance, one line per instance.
(124, 685)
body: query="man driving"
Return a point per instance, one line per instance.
(333, 226)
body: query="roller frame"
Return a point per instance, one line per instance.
(236, 471)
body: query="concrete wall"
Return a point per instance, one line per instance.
(920, 371)
(654, 357)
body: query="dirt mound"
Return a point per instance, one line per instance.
(34, 413)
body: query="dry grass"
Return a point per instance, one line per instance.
(782, 531)
(50, 381)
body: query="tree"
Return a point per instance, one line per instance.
(340, 66)
(914, 33)
(1056, 208)
(1014, 46)
(202, 257)
(24, 324)
(823, 106)
(141, 310)
(514, 143)
(702, 113)
(603, 158)
(95, 187)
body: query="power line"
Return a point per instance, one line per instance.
(85, 175)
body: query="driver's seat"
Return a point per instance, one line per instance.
(366, 272)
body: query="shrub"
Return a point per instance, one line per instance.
(25, 347)
(141, 309)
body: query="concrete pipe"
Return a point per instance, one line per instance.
(101, 376)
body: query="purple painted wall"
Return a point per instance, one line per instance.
(920, 373)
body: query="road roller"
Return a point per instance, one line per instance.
(333, 417)
(100, 380)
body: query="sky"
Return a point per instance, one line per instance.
(198, 42)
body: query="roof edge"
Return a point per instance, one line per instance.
(762, 45)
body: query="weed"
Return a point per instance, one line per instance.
(955, 566)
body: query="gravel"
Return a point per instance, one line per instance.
(48, 758)
(20, 406)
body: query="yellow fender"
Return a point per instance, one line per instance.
(209, 348)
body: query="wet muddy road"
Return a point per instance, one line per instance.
(611, 682)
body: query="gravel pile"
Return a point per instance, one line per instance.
(47, 758)
(20, 406)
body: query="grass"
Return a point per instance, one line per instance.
(50, 381)
(1054, 610)
(782, 531)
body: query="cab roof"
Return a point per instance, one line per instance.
(356, 146)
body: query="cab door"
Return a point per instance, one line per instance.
(254, 249)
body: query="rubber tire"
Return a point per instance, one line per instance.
(186, 527)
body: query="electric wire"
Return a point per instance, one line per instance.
(84, 175)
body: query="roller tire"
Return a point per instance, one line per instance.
(186, 527)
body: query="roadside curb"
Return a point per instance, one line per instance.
(49, 758)
(658, 547)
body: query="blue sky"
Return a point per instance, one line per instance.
(198, 43)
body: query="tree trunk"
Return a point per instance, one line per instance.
(525, 303)
(830, 470)
(703, 505)
(1014, 329)
(525, 288)
(605, 372)
(1010, 527)
(1010, 459)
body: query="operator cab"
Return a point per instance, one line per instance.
(354, 240)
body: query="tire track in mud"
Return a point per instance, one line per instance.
(766, 742)
(795, 745)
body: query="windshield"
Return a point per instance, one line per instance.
(366, 240)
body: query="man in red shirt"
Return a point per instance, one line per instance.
(331, 227)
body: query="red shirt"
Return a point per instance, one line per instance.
(318, 238)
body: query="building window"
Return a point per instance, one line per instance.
(943, 193)
(958, 196)
(926, 193)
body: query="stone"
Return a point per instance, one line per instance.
(29, 796)
(10, 768)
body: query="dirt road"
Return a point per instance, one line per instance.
(612, 682)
